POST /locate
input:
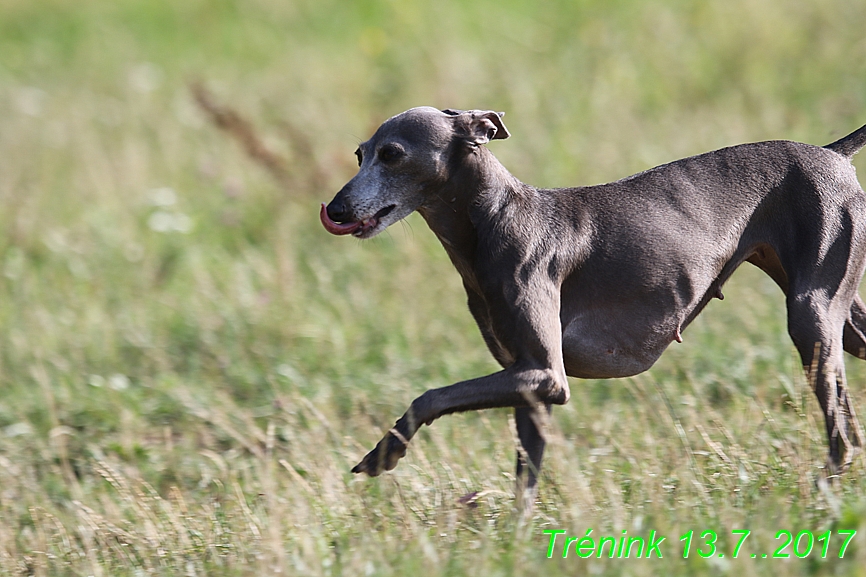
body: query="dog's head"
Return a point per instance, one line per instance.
(408, 158)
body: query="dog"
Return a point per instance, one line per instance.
(597, 281)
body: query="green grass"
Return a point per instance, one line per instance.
(187, 376)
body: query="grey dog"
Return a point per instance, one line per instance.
(597, 281)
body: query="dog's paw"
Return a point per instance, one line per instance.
(385, 456)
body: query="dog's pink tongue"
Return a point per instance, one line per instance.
(335, 227)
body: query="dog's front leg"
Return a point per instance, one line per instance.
(530, 329)
(516, 386)
(530, 423)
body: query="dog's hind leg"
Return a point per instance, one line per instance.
(854, 336)
(817, 333)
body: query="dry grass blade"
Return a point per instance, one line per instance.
(242, 131)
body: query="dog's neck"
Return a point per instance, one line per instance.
(480, 180)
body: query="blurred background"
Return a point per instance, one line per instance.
(190, 365)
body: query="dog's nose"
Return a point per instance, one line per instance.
(337, 211)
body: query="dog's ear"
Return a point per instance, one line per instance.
(480, 126)
(485, 126)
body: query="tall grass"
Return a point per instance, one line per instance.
(189, 365)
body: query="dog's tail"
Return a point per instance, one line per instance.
(851, 144)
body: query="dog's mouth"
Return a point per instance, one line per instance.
(358, 228)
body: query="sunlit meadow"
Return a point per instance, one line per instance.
(190, 365)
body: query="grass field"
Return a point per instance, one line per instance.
(190, 365)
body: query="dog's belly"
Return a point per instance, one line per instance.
(591, 351)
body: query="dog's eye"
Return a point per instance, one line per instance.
(360, 156)
(390, 153)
